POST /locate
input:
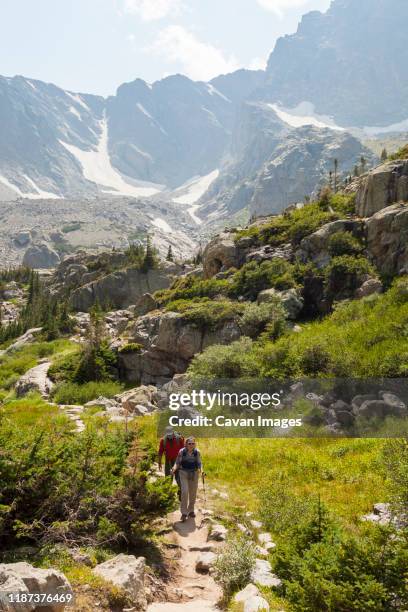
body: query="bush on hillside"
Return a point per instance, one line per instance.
(206, 314)
(219, 361)
(254, 277)
(86, 489)
(323, 567)
(344, 243)
(345, 274)
(233, 567)
(257, 318)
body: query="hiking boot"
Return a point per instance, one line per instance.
(192, 514)
(183, 518)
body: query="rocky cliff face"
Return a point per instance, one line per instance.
(274, 165)
(57, 143)
(339, 60)
(385, 185)
(168, 345)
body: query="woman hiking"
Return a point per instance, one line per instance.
(188, 464)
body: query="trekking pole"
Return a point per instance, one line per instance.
(203, 475)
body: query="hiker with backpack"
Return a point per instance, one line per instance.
(170, 446)
(188, 466)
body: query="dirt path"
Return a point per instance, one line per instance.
(188, 589)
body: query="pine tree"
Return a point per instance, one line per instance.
(356, 171)
(363, 162)
(336, 167)
(384, 155)
(149, 258)
(169, 256)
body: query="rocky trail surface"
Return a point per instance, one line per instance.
(190, 551)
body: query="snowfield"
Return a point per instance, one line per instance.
(97, 168)
(193, 190)
(38, 194)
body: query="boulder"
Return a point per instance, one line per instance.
(137, 398)
(268, 252)
(315, 246)
(169, 343)
(218, 533)
(250, 591)
(220, 254)
(256, 604)
(41, 256)
(264, 538)
(393, 402)
(262, 574)
(26, 338)
(122, 288)
(35, 379)
(146, 303)
(291, 300)
(369, 287)
(22, 237)
(371, 409)
(387, 239)
(103, 402)
(204, 562)
(383, 186)
(22, 578)
(127, 573)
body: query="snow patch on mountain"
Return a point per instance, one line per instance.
(143, 110)
(196, 187)
(77, 98)
(74, 111)
(193, 190)
(39, 194)
(304, 114)
(214, 92)
(162, 225)
(97, 168)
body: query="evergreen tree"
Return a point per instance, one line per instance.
(149, 260)
(169, 256)
(363, 163)
(356, 171)
(336, 167)
(384, 155)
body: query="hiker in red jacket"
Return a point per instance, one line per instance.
(170, 445)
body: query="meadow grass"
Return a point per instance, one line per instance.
(346, 473)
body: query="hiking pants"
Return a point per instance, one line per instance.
(189, 486)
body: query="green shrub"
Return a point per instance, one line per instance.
(131, 347)
(190, 287)
(82, 489)
(395, 458)
(344, 243)
(402, 153)
(254, 277)
(80, 394)
(256, 317)
(344, 275)
(218, 361)
(232, 569)
(344, 572)
(206, 314)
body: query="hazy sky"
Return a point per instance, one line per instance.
(93, 46)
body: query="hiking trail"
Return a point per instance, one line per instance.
(187, 589)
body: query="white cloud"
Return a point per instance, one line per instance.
(258, 63)
(200, 61)
(150, 10)
(281, 6)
